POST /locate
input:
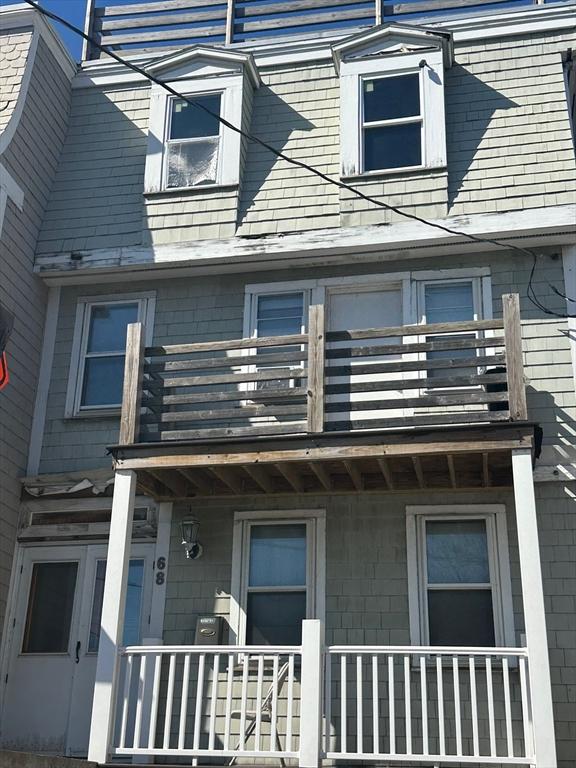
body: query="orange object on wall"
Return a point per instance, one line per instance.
(4, 375)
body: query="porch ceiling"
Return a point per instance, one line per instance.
(446, 458)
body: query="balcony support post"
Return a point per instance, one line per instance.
(514, 359)
(132, 391)
(534, 615)
(112, 622)
(311, 704)
(316, 363)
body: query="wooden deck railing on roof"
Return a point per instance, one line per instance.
(377, 378)
(169, 24)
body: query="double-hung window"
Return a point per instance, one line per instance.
(392, 122)
(459, 576)
(99, 351)
(193, 141)
(278, 575)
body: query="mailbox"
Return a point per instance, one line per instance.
(209, 630)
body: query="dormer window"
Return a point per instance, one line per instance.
(392, 100)
(189, 148)
(193, 142)
(391, 122)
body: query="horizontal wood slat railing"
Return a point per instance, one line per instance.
(322, 381)
(169, 24)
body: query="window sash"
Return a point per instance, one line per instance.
(367, 124)
(141, 304)
(494, 585)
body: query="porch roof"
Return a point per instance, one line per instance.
(453, 457)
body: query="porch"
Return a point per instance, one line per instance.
(382, 412)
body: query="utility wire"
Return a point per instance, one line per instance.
(299, 164)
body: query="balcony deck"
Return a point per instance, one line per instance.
(414, 407)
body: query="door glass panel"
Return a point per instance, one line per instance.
(133, 604)
(277, 555)
(50, 606)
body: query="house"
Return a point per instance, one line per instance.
(302, 477)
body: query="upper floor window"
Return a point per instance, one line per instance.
(391, 122)
(99, 349)
(392, 100)
(193, 141)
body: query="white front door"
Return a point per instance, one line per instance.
(48, 696)
(360, 308)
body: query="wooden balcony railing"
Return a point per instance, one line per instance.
(465, 373)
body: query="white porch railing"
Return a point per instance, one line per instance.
(201, 701)
(422, 705)
(407, 704)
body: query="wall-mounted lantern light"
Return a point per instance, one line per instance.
(190, 542)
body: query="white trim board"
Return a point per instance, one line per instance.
(401, 240)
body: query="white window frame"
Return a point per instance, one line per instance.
(228, 174)
(499, 564)
(146, 309)
(192, 140)
(315, 521)
(432, 111)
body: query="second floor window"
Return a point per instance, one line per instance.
(392, 122)
(99, 349)
(193, 141)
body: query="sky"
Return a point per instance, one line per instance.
(73, 11)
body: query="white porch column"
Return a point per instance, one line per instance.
(112, 624)
(534, 616)
(311, 699)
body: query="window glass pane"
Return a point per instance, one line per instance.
(392, 146)
(280, 314)
(50, 606)
(193, 163)
(390, 98)
(108, 327)
(277, 555)
(189, 122)
(457, 552)
(103, 380)
(275, 618)
(449, 302)
(133, 604)
(461, 617)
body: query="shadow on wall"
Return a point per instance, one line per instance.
(559, 428)
(471, 105)
(274, 121)
(96, 200)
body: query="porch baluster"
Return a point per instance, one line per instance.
(440, 690)
(474, 706)
(125, 699)
(507, 707)
(375, 707)
(391, 706)
(408, 705)
(490, 695)
(169, 701)
(184, 702)
(213, 700)
(155, 700)
(457, 712)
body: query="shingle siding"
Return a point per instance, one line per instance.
(506, 115)
(15, 46)
(30, 158)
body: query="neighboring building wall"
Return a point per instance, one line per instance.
(30, 158)
(211, 308)
(491, 113)
(366, 574)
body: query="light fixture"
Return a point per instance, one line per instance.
(190, 542)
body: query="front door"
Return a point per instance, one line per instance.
(48, 696)
(361, 308)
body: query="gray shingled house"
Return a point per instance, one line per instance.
(288, 475)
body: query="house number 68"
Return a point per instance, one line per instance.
(160, 566)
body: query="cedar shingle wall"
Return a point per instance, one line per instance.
(506, 119)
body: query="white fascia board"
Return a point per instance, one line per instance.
(402, 240)
(561, 16)
(233, 59)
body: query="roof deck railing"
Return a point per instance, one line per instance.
(156, 25)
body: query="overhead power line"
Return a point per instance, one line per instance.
(304, 166)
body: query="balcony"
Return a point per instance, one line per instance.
(416, 705)
(412, 407)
